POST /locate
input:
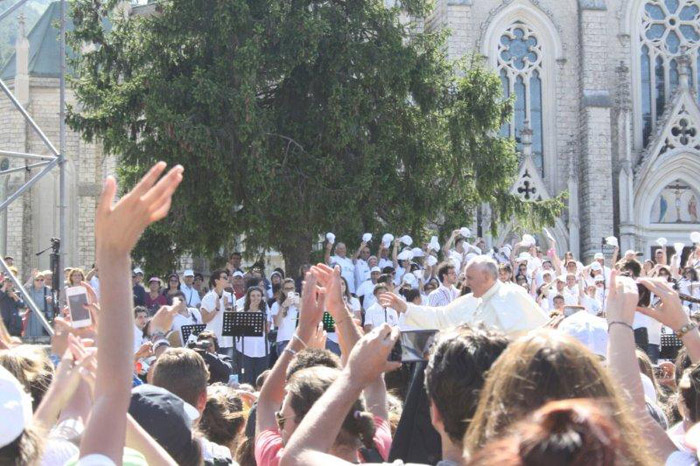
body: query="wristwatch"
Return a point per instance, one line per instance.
(681, 332)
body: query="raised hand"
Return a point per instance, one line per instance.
(368, 358)
(312, 306)
(329, 280)
(670, 311)
(393, 301)
(622, 299)
(118, 226)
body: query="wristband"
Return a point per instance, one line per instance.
(681, 332)
(290, 351)
(610, 324)
(297, 338)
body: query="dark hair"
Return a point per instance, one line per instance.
(263, 304)
(410, 294)
(693, 273)
(216, 275)
(223, 418)
(632, 266)
(507, 268)
(559, 297)
(682, 362)
(444, 269)
(235, 253)
(140, 309)
(26, 449)
(689, 391)
(347, 289)
(282, 296)
(308, 385)
(384, 278)
(178, 281)
(209, 335)
(245, 453)
(171, 367)
(388, 270)
(570, 432)
(312, 357)
(32, 368)
(252, 282)
(456, 372)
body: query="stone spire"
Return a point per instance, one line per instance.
(684, 71)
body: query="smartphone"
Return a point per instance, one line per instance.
(413, 346)
(77, 304)
(644, 296)
(328, 323)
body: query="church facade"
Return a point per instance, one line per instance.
(606, 108)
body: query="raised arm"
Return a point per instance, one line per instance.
(314, 437)
(622, 360)
(448, 245)
(117, 229)
(327, 252)
(359, 250)
(272, 393)
(395, 254)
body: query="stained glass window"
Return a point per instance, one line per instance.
(669, 28)
(520, 68)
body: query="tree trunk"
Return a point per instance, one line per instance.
(296, 252)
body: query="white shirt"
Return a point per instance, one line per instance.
(384, 262)
(361, 272)
(138, 338)
(194, 317)
(442, 296)
(570, 296)
(347, 270)
(591, 304)
(376, 316)
(216, 325)
(366, 289)
(505, 306)
(288, 323)
(192, 298)
(255, 347)
(95, 284)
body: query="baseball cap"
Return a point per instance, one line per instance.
(588, 329)
(375, 269)
(138, 271)
(598, 255)
(595, 266)
(154, 279)
(15, 408)
(524, 256)
(165, 416)
(237, 273)
(599, 278)
(188, 273)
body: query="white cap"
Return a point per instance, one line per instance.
(662, 241)
(431, 261)
(464, 231)
(528, 240)
(434, 244)
(612, 241)
(599, 255)
(410, 279)
(695, 237)
(470, 256)
(15, 408)
(596, 266)
(367, 237)
(548, 272)
(630, 252)
(417, 252)
(387, 239)
(138, 270)
(678, 247)
(375, 269)
(407, 240)
(188, 273)
(599, 278)
(524, 256)
(330, 237)
(506, 250)
(238, 273)
(405, 255)
(588, 329)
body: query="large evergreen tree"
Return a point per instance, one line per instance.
(293, 118)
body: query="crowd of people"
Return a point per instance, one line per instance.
(537, 359)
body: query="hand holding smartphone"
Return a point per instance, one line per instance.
(413, 346)
(77, 304)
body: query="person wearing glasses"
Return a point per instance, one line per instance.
(285, 313)
(41, 295)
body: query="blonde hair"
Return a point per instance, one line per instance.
(541, 367)
(31, 367)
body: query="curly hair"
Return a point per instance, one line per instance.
(223, 418)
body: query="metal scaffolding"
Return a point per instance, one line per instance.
(48, 162)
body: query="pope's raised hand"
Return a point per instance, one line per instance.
(119, 225)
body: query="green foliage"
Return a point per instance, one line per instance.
(293, 118)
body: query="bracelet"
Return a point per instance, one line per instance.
(290, 351)
(610, 324)
(297, 338)
(681, 332)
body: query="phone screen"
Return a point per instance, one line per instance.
(413, 346)
(77, 304)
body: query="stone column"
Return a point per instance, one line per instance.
(626, 174)
(596, 188)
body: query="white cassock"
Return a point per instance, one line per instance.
(506, 307)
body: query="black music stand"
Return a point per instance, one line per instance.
(187, 330)
(241, 325)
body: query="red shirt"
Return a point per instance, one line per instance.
(269, 448)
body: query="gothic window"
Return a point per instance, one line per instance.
(669, 29)
(520, 68)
